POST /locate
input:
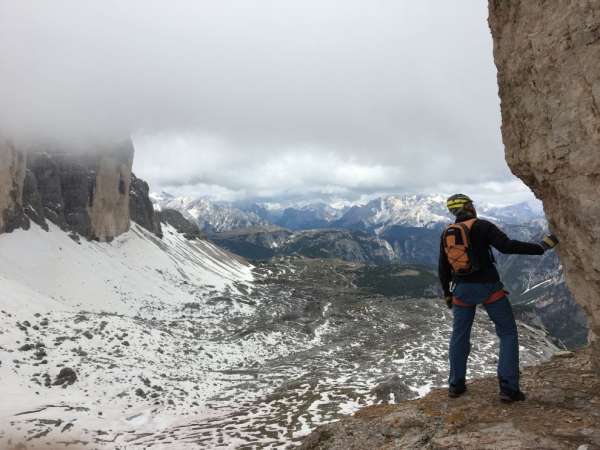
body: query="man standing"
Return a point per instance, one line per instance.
(467, 262)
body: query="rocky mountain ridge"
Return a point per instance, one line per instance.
(376, 216)
(211, 217)
(260, 244)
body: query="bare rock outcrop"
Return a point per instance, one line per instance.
(177, 220)
(109, 201)
(548, 59)
(12, 177)
(141, 208)
(561, 412)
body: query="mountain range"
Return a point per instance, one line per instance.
(401, 229)
(375, 216)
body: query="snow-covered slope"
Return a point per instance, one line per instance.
(177, 344)
(86, 274)
(115, 314)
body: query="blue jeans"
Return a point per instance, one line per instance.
(500, 312)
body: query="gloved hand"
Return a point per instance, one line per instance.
(448, 299)
(549, 241)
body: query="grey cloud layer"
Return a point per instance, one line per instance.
(262, 96)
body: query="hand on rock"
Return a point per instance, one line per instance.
(549, 241)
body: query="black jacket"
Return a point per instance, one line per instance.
(484, 235)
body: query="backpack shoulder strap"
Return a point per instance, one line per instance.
(466, 228)
(469, 223)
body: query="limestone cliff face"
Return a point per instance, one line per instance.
(109, 199)
(12, 177)
(90, 193)
(86, 193)
(548, 59)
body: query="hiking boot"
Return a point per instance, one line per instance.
(509, 396)
(456, 391)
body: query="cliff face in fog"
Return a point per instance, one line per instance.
(12, 176)
(85, 193)
(548, 59)
(91, 194)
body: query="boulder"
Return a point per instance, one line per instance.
(65, 377)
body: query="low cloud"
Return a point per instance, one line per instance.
(258, 98)
(212, 168)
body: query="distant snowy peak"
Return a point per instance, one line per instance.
(310, 216)
(409, 210)
(160, 199)
(514, 214)
(406, 210)
(428, 211)
(211, 217)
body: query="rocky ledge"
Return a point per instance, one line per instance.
(562, 411)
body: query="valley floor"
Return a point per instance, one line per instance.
(177, 344)
(562, 412)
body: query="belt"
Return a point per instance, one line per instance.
(498, 295)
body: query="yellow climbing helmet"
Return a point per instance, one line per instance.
(457, 202)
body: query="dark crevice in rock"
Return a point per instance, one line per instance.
(141, 208)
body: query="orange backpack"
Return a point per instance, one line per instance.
(457, 245)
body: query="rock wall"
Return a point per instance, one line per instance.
(548, 59)
(58, 189)
(12, 177)
(141, 209)
(86, 193)
(109, 199)
(90, 193)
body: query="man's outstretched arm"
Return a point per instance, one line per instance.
(504, 244)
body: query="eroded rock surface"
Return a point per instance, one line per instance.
(12, 176)
(91, 193)
(141, 208)
(548, 60)
(86, 193)
(109, 200)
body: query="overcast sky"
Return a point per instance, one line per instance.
(281, 98)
